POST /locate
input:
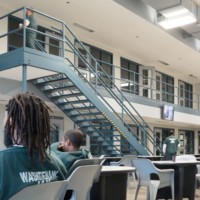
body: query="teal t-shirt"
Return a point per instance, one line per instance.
(68, 158)
(171, 144)
(18, 171)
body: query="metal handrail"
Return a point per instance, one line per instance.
(119, 101)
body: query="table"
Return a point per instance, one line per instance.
(197, 156)
(184, 178)
(111, 159)
(153, 158)
(112, 183)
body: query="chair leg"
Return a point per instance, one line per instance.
(172, 187)
(153, 191)
(73, 197)
(148, 193)
(134, 179)
(136, 191)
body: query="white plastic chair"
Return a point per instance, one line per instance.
(144, 169)
(198, 174)
(83, 162)
(51, 191)
(126, 160)
(80, 181)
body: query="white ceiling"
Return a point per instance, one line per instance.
(118, 28)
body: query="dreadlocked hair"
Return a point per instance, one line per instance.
(28, 123)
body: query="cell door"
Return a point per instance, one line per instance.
(158, 91)
(181, 87)
(183, 142)
(145, 81)
(158, 138)
(52, 45)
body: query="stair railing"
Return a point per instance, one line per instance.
(143, 126)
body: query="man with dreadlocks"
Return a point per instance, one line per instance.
(27, 161)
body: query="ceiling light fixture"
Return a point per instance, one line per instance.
(182, 20)
(174, 11)
(175, 17)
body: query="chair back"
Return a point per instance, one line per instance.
(127, 160)
(81, 180)
(83, 162)
(185, 158)
(51, 191)
(144, 168)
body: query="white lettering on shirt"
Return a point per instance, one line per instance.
(40, 177)
(172, 140)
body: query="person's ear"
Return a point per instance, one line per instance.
(68, 142)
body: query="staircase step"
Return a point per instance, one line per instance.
(59, 89)
(84, 114)
(88, 120)
(54, 81)
(72, 102)
(79, 108)
(63, 96)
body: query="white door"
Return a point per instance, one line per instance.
(183, 141)
(158, 90)
(146, 81)
(181, 87)
(52, 45)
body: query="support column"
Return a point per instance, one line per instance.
(24, 78)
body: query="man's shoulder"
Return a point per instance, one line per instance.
(11, 149)
(86, 152)
(54, 146)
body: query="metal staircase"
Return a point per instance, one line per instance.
(78, 97)
(103, 117)
(72, 101)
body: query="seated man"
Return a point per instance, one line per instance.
(69, 149)
(26, 160)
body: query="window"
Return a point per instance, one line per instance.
(129, 76)
(103, 58)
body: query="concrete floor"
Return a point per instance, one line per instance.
(142, 192)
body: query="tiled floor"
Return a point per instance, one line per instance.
(142, 193)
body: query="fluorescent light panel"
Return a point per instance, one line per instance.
(174, 11)
(181, 20)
